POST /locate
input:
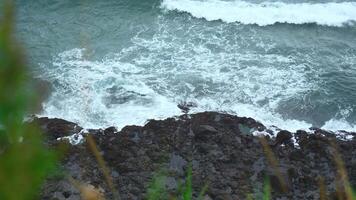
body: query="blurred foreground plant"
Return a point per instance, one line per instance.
(157, 189)
(24, 160)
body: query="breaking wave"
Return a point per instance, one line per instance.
(267, 13)
(222, 67)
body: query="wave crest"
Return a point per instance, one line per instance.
(267, 13)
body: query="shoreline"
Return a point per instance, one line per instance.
(220, 148)
(270, 130)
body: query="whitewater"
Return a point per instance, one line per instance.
(267, 13)
(117, 63)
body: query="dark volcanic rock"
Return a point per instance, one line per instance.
(56, 128)
(231, 161)
(186, 106)
(283, 137)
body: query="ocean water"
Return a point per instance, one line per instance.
(288, 63)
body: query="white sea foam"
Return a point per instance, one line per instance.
(267, 13)
(161, 71)
(89, 92)
(75, 139)
(339, 124)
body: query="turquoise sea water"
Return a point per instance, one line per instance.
(117, 62)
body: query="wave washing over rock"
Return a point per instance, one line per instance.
(267, 13)
(144, 58)
(225, 152)
(92, 93)
(123, 62)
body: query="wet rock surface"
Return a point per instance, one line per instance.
(220, 148)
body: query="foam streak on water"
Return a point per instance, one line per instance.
(267, 13)
(228, 67)
(99, 94)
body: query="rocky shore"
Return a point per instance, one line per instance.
(225, 153)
